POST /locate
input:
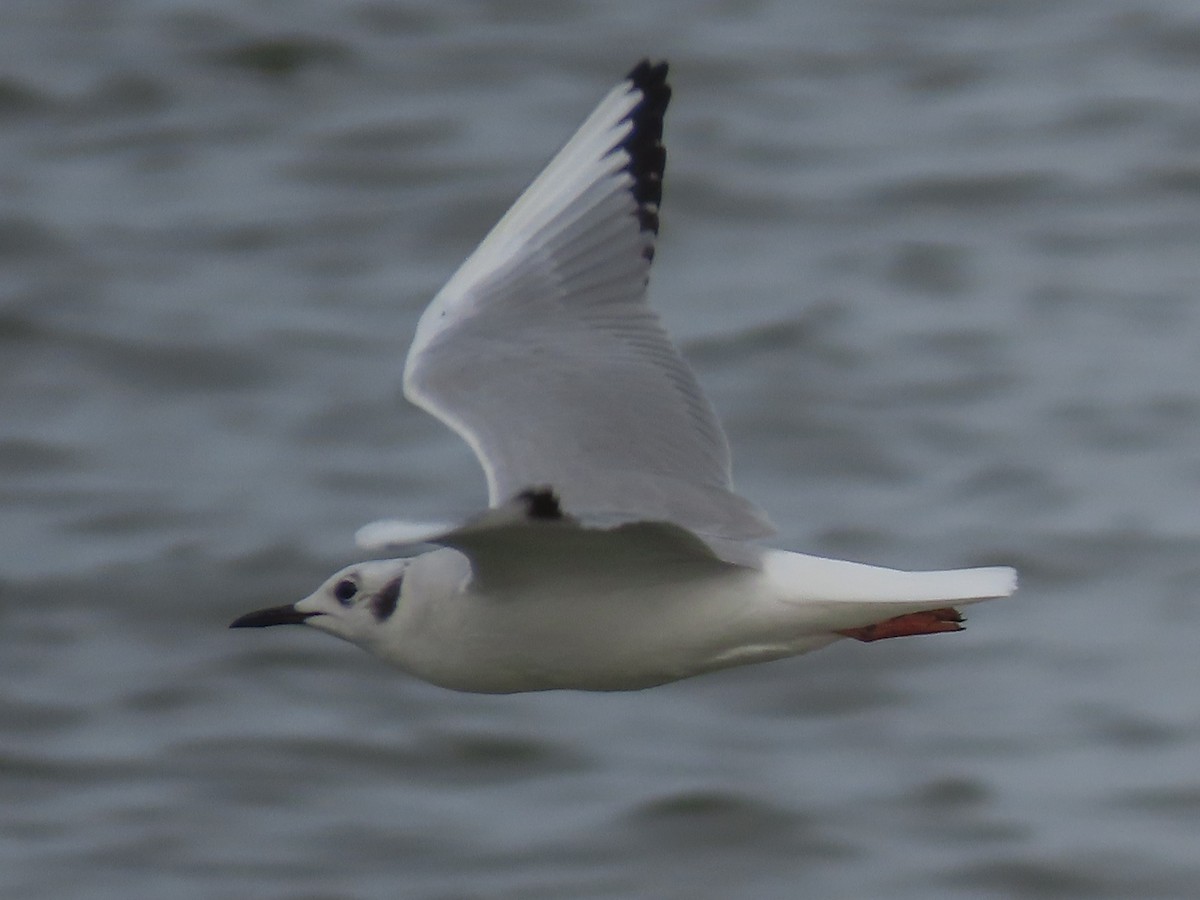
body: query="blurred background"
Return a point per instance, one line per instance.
(935, 262)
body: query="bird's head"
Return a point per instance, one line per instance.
(352, 604)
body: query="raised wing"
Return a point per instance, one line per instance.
(542, 353)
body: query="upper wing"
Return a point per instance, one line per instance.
(542, 353)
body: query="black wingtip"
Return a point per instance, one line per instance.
(541, 503)
(647, 156)
(649, 76)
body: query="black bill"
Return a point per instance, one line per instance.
(276, 615)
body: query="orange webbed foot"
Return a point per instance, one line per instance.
(934, 621)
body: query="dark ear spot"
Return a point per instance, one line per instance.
(541, 503)
(384, 603)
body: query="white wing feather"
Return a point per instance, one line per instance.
(542, 353)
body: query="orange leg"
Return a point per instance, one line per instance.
(932, 622)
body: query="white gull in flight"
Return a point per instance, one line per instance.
(614, 553)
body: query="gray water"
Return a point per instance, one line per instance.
(935, 262)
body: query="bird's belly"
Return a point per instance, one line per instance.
(620, 640)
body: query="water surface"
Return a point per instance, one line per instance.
(935, 263)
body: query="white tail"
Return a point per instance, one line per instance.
(851, 594)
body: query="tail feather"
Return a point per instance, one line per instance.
(845, 595)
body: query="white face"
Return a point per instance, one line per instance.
(355, 602)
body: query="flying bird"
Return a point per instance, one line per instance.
(614, 553)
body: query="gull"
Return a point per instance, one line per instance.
(614, 553)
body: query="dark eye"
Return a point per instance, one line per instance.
(345, 590)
